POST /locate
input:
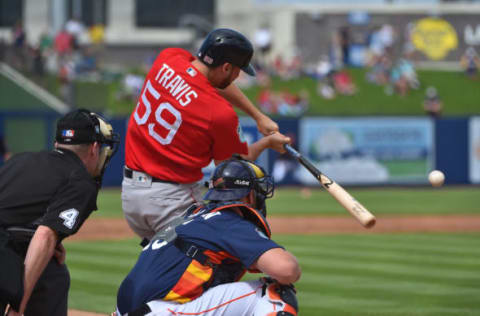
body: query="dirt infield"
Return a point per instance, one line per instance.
(115, 228)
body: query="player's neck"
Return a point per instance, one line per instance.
(201, 67)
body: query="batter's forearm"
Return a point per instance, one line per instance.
(235, 96)
(255, 149)
(275, 141)
(39, 253)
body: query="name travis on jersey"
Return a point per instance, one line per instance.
(175, 85)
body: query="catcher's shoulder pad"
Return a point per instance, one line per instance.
(249, 213)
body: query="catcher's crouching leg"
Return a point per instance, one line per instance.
(277, 299)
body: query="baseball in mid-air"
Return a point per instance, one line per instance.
(436, 178)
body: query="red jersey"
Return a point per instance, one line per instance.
(180, 122)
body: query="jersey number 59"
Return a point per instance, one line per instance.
(171, 128)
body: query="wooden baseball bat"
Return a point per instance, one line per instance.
(343, 197)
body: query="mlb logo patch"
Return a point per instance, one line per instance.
(68, 133)
(192, 72)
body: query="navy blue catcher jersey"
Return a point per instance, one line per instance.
(164, 272)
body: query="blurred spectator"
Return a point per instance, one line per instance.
(403, 77)
(324, 75)
(47, 50)
(345, 44)
(38, 65)
(63, 44)
(262, 39)
(66, 75)
(432, 103)
(76, 29)
(335, 51)
(283, 103)
(267, 101)
(97, 38)
(19, 46)
(344, 41)
(387, 38)
(87, 61)
(470, 62)
(287, 68)
(408, 47)
(375, 44)
(380, 42)
(343, 83)
(380, 70)
(97, 34)
(279, 67)
(4, 153)
(45, 43)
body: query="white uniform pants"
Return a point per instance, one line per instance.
(238, 298)
(150, 206)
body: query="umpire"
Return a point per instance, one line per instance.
(45, 197)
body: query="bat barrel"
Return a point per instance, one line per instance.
(340, 194)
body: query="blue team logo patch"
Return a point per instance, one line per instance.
(68, 133)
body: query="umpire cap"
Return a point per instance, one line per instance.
(81, 127)
(227, 46)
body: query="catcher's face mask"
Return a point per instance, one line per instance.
(109, 141)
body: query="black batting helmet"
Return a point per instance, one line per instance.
(227, 46)
(235, 178)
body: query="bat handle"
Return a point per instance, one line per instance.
(292, 151)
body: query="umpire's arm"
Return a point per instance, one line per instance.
(39, 253)
(280, 265)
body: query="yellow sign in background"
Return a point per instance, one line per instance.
(434, 37)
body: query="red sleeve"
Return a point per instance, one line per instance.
(227, 135)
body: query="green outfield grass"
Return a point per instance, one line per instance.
(381, 201)
(458, 93)
(386, 274)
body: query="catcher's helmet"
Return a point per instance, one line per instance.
(234, 179)
(227, 46)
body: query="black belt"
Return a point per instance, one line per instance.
(20, 233)
(128, 173)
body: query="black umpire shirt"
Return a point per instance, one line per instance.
(50, 188)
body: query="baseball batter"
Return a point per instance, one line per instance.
(194, 267)
(181, 122)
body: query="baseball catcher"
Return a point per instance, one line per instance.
(193, 267)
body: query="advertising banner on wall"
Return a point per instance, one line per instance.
(368, 150)
(474, 149)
